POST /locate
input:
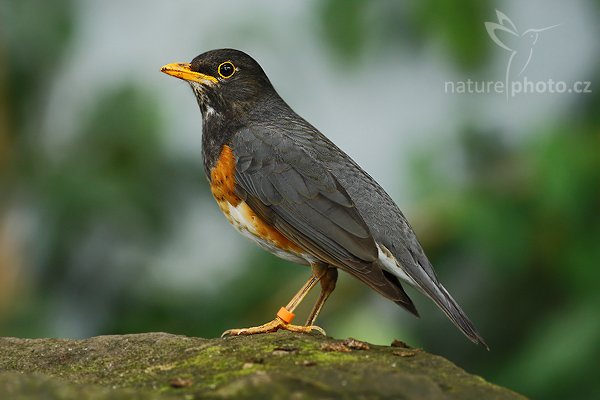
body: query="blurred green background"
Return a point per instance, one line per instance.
(107, 225)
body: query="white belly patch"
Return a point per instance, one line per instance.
(249, 225)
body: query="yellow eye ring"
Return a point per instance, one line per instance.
(226, 69)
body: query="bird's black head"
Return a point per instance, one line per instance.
(225, 81)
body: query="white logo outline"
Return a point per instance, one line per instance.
(505, 24)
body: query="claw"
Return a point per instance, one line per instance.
(273, 326)
(318, 329)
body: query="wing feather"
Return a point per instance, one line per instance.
(298, 190)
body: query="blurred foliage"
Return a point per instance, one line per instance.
(458, 25)
(516, 231)
(31, 46)
(35, 37)
(528, 217)
(102, 202)
(344, 25)
(353, 27)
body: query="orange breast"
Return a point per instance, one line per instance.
(239, 214)
(222, 180)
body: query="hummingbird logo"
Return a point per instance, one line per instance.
(520, 45)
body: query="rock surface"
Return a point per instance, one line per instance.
(279, 366)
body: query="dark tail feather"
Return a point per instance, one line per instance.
(400, 297)
(451, 308)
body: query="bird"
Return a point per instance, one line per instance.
(505, 34)
(283, 184)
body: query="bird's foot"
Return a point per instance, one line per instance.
(273, 326)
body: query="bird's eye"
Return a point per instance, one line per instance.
(226, 69)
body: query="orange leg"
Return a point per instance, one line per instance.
(328, 281)
(286, 314)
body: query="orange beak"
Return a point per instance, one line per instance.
(184, 71)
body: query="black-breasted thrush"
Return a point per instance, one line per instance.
(287, 187)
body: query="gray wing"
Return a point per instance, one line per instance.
(289, 189)
(391, 229)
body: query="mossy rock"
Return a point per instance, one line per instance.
(280, 366)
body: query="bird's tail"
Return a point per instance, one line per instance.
(450, 307)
